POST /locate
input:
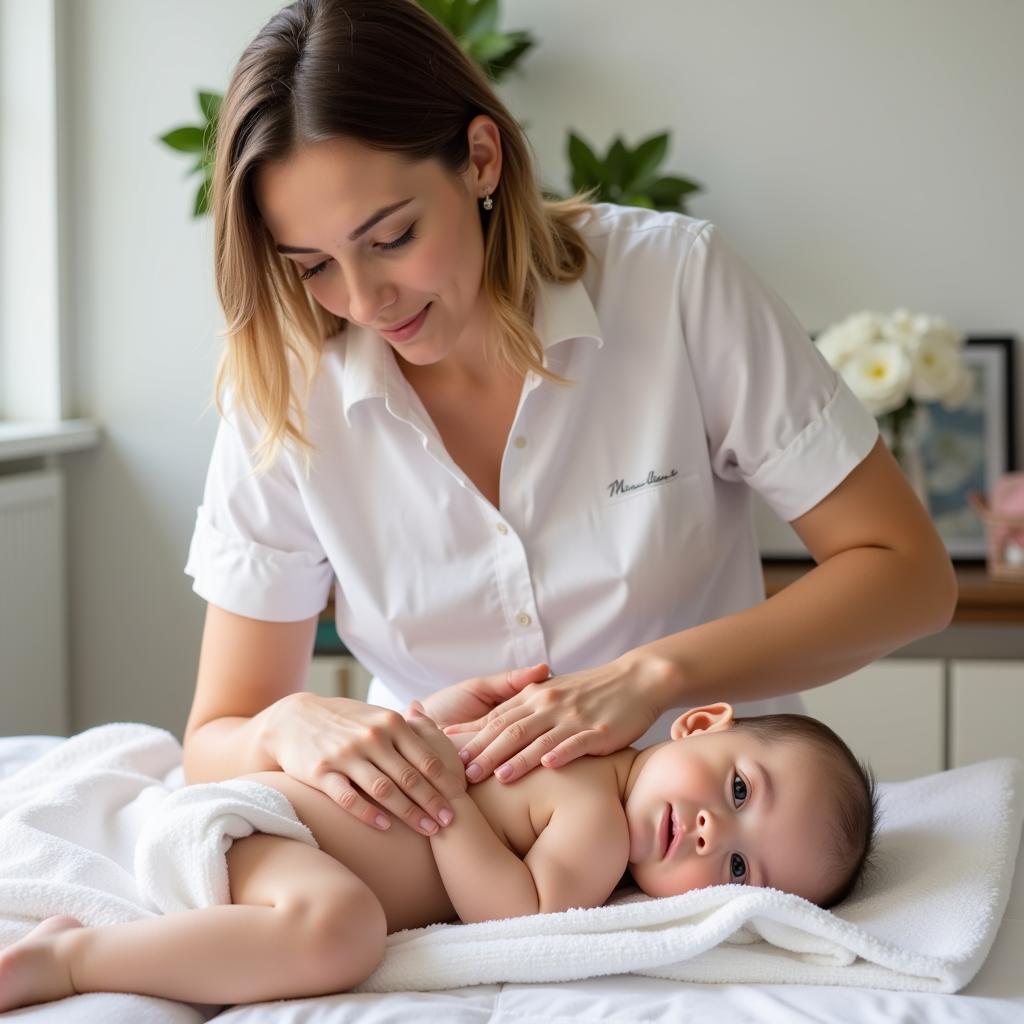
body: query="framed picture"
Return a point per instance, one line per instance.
(964, 450)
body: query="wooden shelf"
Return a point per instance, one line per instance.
(982, 600)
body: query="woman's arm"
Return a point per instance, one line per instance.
(884, 578)
(245, 667)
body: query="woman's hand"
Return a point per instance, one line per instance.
(353, 751)
(597, 711)
(473, 698)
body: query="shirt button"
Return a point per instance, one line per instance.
(523, 619)
(502, 528)
(520, 442)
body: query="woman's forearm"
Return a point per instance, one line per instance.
(853, 608)
(484, 879)
(226, 747)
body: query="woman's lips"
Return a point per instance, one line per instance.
(410, 328)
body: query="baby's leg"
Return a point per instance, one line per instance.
(300, 924)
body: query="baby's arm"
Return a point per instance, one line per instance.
(575, 861)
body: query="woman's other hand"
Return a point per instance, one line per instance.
(351, 750)
(474, 698)
(597, 711)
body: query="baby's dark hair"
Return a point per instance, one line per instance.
(854, 826)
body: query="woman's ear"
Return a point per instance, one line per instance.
(709, 718)
(484, 139)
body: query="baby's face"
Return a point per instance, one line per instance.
(721, 807)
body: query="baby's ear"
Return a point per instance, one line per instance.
(709, 718)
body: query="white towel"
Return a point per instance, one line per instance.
(926, 921)
(98, 829)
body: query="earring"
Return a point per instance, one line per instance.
(488, 202)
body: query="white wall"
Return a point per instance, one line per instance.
(860, 156)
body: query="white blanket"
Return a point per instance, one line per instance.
(99, 828)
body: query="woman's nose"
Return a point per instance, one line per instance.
(368, 299)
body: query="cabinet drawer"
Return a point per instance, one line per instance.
(890, 713)
(987, 710)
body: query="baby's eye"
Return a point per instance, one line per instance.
(739, 788)
(737, 868)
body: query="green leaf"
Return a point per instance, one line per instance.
(437, 9)
(483, 19)
(188, 139)
(202, 205)
(587, 170)
(635, 199)
(668, 191)
(618, 163)
(645, 160)
(209, 104)
(460, 14)
(490, 47)
(498, 67)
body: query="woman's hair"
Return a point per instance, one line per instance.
(854, 820)
(388, 75)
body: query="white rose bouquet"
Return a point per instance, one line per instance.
(892, 363)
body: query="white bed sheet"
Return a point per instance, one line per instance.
(995, 996)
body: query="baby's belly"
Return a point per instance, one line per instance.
(398, 865)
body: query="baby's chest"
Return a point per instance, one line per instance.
(516, 812)
(519, 812)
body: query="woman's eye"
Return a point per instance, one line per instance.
(739, 788)
(737, 868)
(313, 271)
(396, 244)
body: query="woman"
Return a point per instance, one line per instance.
(549, 467)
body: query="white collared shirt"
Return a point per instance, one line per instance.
(624, 511)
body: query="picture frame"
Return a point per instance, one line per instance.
(967, 449)
(963, 450)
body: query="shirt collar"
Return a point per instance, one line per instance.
(563, 311)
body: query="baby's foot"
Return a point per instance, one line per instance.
(31, 971)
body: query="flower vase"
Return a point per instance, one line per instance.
(904, 436)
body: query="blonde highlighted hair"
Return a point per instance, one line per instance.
(388, 75)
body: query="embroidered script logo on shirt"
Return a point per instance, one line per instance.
(617, 487)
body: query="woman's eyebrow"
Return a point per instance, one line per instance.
(384, 211)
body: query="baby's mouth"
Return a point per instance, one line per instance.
(674, 833)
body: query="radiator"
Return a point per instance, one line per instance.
(33, 645)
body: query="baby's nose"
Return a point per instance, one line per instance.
(706, 832)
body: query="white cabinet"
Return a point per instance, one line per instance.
(338, 676)
(987, 717)
(890, 713)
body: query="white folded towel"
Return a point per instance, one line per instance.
(925, 921)
(100, 828)
(97, 828)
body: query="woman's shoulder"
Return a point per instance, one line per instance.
(625, 239)
(612, 219)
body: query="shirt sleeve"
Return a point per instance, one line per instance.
(254, 551)
(777, 416)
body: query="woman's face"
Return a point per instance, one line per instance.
(381, 271)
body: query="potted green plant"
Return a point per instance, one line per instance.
(627, 176)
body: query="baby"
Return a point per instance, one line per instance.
(774, 801)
